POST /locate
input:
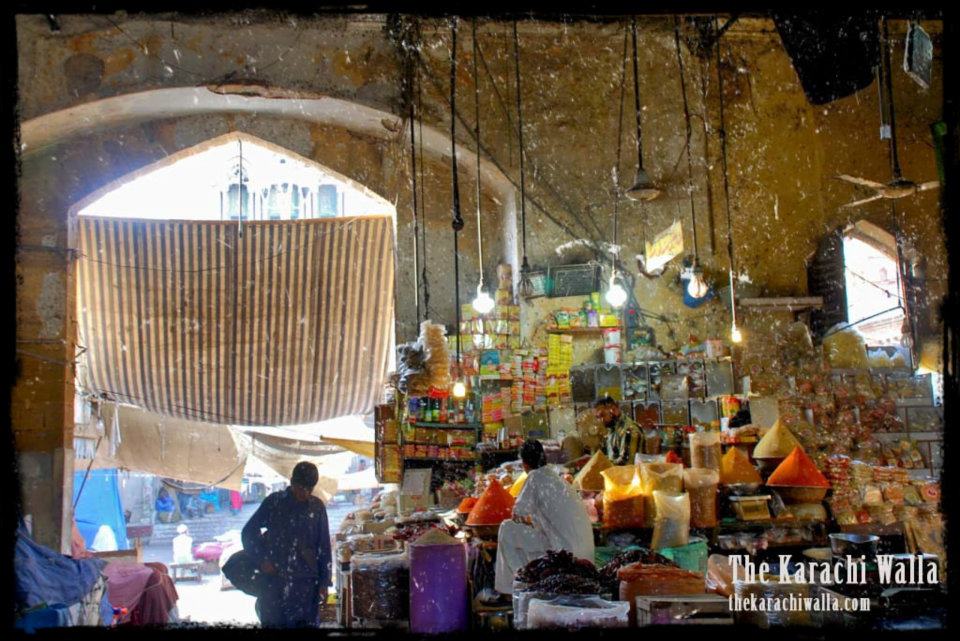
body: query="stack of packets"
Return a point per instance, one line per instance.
(559, 362)
(531, 388)
(499, 329)
(864, 493)
(491, 410)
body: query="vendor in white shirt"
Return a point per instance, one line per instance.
(548, 515)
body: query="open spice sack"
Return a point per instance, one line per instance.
(659, 477)
(623, 500)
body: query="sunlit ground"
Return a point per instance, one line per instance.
(204, 602)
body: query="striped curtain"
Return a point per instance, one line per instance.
(280, 323)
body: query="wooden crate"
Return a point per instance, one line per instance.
(683, 609)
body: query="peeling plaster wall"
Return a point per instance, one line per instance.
(782, 154)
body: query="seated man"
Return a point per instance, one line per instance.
(164, 506)
(624, 437)
(548, 515)
(182, 545)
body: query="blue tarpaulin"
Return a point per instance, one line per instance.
(48, 578)
(99, 505)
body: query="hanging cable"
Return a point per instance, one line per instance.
(413, 175)
(689, 132)
(423, 203)
(457, 223)
(476, 93)
(735, 331)
(525, 266)
(616, 200)
(636, 90)
(723, 156)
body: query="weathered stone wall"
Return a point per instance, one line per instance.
(782, 154)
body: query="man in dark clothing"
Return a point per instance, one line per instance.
(294, 552)
(624, 437)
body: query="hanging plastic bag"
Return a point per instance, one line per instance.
(701, 485)
(623, 502)
(845, 349)
(671, 527)
(659, 477)
(705, 449)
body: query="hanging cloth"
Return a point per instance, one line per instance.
(115, 437)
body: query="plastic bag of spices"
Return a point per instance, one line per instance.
(623, 505)
(671, 527)
(701, 485)
(659, 477)
(705, 449)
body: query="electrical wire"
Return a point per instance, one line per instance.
(423, 202)
(492, 157)
(617, 190)
(525, 266)
(476, 89)
(689, 133)
(723, 156)
(636, 90)
(413, 177)
(457, 223)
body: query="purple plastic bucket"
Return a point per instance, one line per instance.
(438, 589)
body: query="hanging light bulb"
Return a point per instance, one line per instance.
(482, 304)
(697, 287)
(735, 334)
(616, 294)
(459, 389)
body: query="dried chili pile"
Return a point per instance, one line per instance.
(556, 562)
(566, 584)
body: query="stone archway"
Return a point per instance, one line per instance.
(42, 132)
(53, 184)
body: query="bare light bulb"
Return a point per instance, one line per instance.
(459, 389)
(696, 287)
(616, 294)
(482, 304)
(735, 334)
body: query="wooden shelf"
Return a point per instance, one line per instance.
(579, 331)
(428, 459)
(448, 426)
(790, 304)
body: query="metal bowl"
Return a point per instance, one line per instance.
(741, 489)
(846, 544)
(794, 494)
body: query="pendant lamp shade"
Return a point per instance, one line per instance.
(643, 188)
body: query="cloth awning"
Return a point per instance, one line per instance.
(281, 455)
(187, 451)
(363, 480)
(282, 323)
